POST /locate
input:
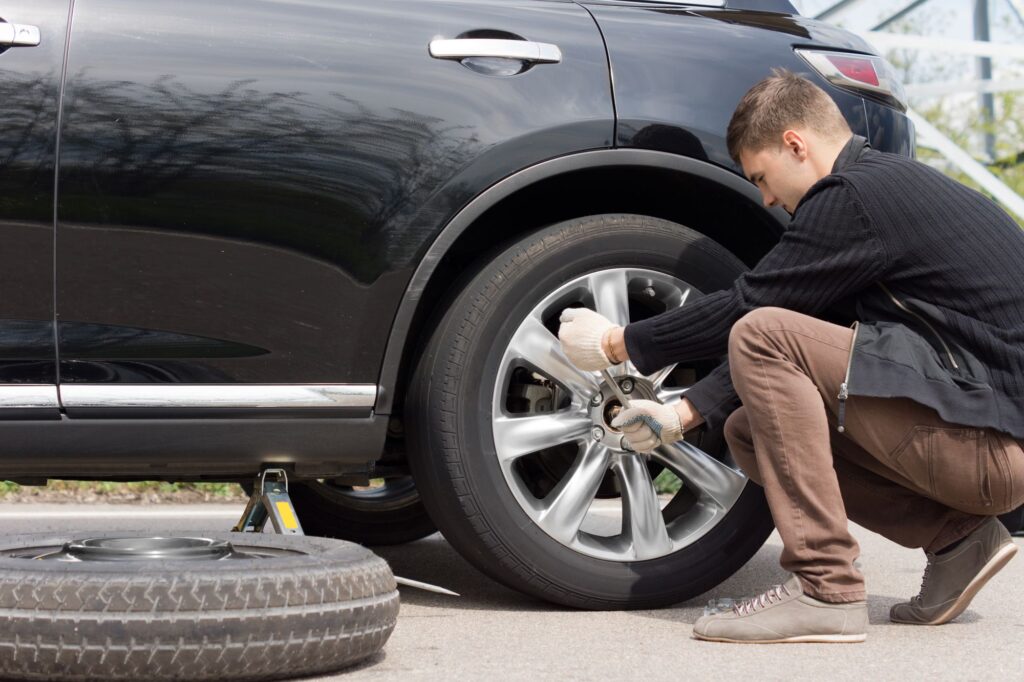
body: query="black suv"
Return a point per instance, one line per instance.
(335, 237)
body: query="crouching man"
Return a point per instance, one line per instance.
(875, 370)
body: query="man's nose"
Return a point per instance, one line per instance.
(769, 199)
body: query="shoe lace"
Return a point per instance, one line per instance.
(924, 581)
(762, 600)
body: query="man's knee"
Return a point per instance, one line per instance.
(749, 327)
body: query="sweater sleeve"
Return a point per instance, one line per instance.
(830, 250)
(714, 396)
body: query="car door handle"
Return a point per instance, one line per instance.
(525, 50)
(18, 35)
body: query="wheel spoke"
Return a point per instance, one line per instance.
(535, 344)
(573, 495)
(658, 378)
(699, 469)
(611, 297)
(684, 295)
(518, 436)
(670, 396)
(641, 512)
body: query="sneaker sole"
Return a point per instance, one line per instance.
(802, 639)
(994, 565)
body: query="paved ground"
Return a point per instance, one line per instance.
(493, 633)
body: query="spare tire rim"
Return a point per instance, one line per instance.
(563, 500)
(155, 548)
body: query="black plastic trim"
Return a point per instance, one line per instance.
(180, 448)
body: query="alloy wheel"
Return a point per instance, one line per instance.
(567, 467)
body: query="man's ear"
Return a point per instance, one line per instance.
(795, 143)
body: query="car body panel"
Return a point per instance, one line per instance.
(678, 74)
(30, 80)
(245, 191)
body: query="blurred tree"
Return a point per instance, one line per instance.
(959, 115)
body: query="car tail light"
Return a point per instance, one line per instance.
(867, 74)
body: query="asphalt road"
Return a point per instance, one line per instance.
(491, 632)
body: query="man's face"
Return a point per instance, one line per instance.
(783, 173)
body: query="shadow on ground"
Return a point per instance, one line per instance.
(433, 560)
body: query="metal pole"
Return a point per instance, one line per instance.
(983, 68)
(1017, 7)
(886, 23)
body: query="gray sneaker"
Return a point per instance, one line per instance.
(785, 614)
(952, 579)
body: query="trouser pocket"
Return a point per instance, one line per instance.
(954, 465)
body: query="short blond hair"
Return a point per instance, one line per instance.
(782, 101)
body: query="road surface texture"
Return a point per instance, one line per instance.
(493, 633)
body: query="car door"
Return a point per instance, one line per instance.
(246, 187)
(32, 39)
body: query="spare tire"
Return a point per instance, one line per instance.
(203, 606)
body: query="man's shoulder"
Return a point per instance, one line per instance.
(831, 189)
(876, 166)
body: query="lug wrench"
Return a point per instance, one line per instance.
(615, 388)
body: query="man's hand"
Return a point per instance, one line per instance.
(647, 424)
(584, 336)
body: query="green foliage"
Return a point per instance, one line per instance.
(114, 490)
(667, 483)
(960, 116)
(1006, 126)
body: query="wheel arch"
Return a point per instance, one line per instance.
(705, 197)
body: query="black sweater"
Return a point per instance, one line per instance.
(880, 227)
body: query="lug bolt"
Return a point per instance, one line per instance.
(649, 291)
(598, 433)
(624, 444)
(596, 400)
(627, 385)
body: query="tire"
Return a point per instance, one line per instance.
(488, 510)
(304, 606)
(392, 514)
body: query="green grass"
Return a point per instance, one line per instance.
(667, 482)
(113, 489)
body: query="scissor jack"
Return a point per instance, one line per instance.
(269, 500)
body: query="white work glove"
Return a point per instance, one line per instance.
(647, 424)
(581, 333)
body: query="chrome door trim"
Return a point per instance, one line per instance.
(527, 51)
(28, 396)
(239, 396)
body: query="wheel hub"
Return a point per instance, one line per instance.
(605, 406)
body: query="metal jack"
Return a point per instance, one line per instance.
(270, 500)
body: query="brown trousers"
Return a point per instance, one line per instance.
(898, 469)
